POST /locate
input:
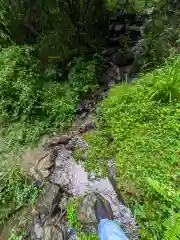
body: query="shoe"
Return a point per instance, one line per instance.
(103, 210)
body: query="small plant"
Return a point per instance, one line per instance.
(72, 214)
(15, 236)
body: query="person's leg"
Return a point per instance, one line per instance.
(110, 230)
(107, 228)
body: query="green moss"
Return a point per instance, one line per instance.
(143, 120)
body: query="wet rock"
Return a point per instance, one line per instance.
(109, 51)
(126, 72)
(48, 199)
(71, 178)
(98, 96)
(54, 231)
(61, 172)
(48, 161)
(87, 127)
(139, 48)
(83, 115)
(78, 142)
(70, 146)
(62, 156)
(122, 58)
(42, 167)
(45, 173)
(112, 74)
(60, 177)
(91, 176)
(38, 231)
(86, 208)
(58, 140)
(84, 108)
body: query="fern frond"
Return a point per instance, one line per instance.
(166, 191)
(172, 225)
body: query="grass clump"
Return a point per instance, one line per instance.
(33, 102)
(143, 119)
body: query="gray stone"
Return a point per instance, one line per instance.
(60, 177)
(58, 140)
(38, 230)
(122, 58)
(91, 176)
(118, 27)
(48, 161)
(62, 155)
(54, 231)
(86, 208)
(48, 199)
(35, 174)
(70, 146)
(87, 127)
(79, 142)
(111, 74)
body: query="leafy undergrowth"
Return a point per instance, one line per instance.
(35, 102)
(139, 125)
(15, 192)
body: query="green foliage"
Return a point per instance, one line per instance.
(143, 121)
(15, 191)
(172, 225)
(59, 29)
(96, 155)
(161, 32)
(90, 236)
(111, 4)
(159, 88)
(32, 103)
(15, 236)
(71, 214)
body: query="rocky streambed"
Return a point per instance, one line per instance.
(62, 178)
(56, 172)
